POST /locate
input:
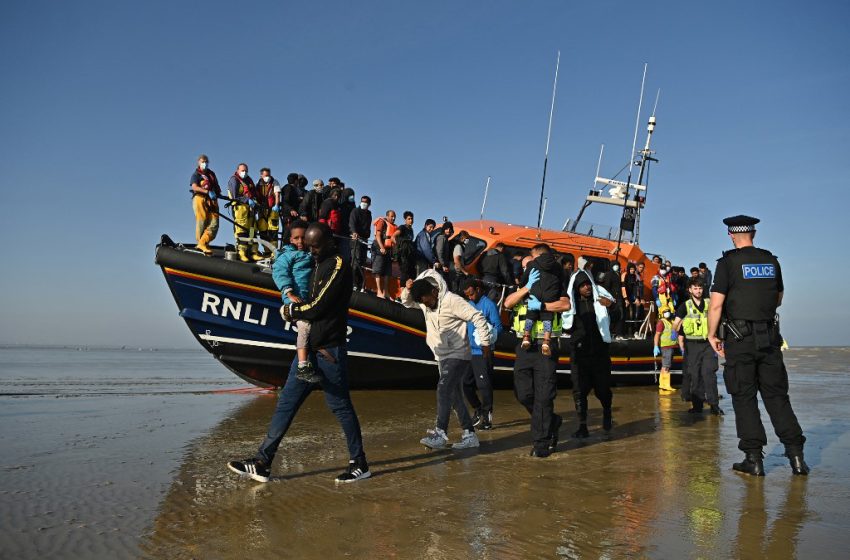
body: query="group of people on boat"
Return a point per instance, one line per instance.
(321, 262)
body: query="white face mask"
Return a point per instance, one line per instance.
(267, 179)
(364, 205)
(242, 174)
(202, 165)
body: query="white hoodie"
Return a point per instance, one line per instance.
(445, 326)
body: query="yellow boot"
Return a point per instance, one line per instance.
(255, 252)
(243, 254)
(664, 383)
(203, 244)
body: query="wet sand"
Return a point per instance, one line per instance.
(660, 486)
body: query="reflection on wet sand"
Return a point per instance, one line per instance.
(654, 488)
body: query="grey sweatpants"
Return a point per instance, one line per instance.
(303, 333)
(450, 394)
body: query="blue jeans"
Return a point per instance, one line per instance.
(335, 386)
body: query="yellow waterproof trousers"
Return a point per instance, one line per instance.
(268, 224)
(206, 218)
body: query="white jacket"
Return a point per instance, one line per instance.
(603, 321)
(446, 325)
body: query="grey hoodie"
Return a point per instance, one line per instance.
(446, 333)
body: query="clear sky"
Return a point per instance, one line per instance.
(106, 105)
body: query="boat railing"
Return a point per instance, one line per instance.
(599, 231)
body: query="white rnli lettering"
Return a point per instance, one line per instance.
(224, 307)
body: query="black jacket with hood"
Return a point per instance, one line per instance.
(327, 308)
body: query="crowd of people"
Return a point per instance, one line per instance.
(324, 236)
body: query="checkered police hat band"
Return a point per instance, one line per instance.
(741, 229)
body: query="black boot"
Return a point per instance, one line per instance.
(798, 465)
(716, 410)
(582, 432)
(752, 464)
(607, 421)
(553, 431)
(696, 407)
(581, 411)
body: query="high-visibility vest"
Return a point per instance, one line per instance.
(667, 334)
(537, 329)
(695, 323)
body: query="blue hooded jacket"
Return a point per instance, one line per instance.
(291, 271)
(491, 313)
(424, 247)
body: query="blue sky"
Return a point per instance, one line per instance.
(106, 105)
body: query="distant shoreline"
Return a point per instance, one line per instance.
(91, 347)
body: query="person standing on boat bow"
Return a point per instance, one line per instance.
(535, 374)
(747, 290)
(326, 307)
(268, 209)
(205, 190)
(243, 200)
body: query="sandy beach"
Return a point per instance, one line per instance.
(95, 472)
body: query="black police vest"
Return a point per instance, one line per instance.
(753, 291)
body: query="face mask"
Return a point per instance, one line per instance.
(364, 205)
(242, 174)
(202, 165)
(267, 179)
(666, 314)
(350, 199)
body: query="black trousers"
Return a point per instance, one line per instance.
(751, 370)
(479, 376)
(591, 371)
(535, 387)
(358, 261)
(699, 374)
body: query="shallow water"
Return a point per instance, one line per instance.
(117, 454)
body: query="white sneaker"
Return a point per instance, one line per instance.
(467, 441)
(436, 439)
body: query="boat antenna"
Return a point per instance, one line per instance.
(543, 210)
(646, 158)
(629, 215)
(548, 137)
(484, 204)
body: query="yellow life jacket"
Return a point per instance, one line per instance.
(537, 330)
(667, 334)
(695, 323)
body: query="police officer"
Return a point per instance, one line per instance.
(746, 292)
(535, 383)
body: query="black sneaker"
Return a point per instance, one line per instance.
(357, 470)
(716, 410)
(486, 421)
(252, 468)
(307, 374)
(477, 418)
(540, 452)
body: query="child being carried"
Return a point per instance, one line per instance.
(291, 272)
(548, 290)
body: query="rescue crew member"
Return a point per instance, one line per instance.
(665, 341)
(590, 359)
(243, 196)
(747, 290)
(268, 208)
(535, 383)
(205, 190)
(699, 374)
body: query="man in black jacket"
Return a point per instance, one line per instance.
(496, 269)
(360, 224)
(327, 311)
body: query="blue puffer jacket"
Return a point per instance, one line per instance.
(291, 271)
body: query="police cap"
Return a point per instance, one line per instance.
(741, 224)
